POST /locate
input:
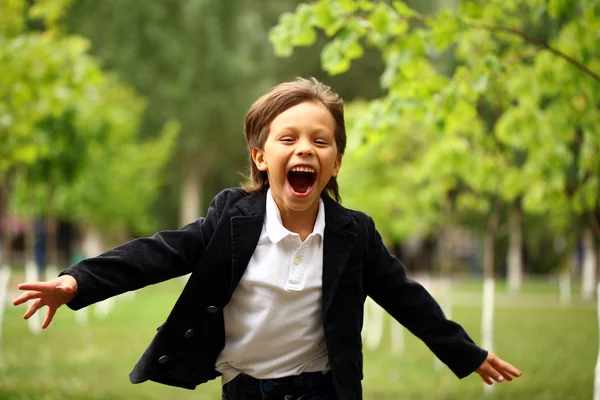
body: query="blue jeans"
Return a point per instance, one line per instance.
(307, 386)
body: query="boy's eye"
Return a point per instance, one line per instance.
(321, 142)
(287, 139)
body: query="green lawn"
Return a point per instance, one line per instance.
(554, 346)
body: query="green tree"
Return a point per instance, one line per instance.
(59, 110)
(204, 63)
(513, 126)
(501, 109)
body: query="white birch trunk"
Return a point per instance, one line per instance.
(564, 287)
(51, 272)
(487, 310)
(92, 246)
(373, 325)
(4, 280)
(398, 338)
(588, 278)
(190, 197)
(31, 275)
(189, 211)
(487, 320)
(565, 292)
(597, 370)
(515, 259)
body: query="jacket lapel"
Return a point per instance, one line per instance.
(337, 247)
(245, 232)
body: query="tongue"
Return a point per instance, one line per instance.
(300, 182)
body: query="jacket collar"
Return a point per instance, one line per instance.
(336, 216)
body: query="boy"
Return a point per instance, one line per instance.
(280, 272)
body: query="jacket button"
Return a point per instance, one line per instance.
(212, 309)
(163, 359)
(189, 333)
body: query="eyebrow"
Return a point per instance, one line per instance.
(312, 131)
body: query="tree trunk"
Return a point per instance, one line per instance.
(568, 261)
(590, 263)
(373, 326)
(397, 334)
(31, 270)
(5, 255)
(4, 280)
(191, 187)
(93, 245)
(51, 247)
(487, 320)
(6, 251)
(515, 258)
(597, 369)
(446, 256)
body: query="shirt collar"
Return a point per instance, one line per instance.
(274, 227)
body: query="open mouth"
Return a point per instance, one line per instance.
(301, 179)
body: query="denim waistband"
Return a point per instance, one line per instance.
(306, 380)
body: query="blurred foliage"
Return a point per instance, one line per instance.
(203, 63)
(200, 62)
(69, 144)
(515, 123)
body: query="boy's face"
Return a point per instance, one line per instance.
(300, 156)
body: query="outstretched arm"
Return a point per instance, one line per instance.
(412, 305)
(131, 266)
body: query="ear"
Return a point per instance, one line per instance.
(337, 165)
(259, 159)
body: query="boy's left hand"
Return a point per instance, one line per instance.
(495, 369)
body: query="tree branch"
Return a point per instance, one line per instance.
(594, 223)
(540, 44)
(523, 35)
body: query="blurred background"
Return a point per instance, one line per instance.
(473, 142)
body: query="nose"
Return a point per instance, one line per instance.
(304, 149)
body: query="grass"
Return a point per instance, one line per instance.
(555, 347)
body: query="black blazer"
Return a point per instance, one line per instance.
(216, 250)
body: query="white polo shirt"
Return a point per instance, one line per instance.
(273, 323)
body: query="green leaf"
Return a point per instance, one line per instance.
(348, 5)
(404, 10)
(333, 58)
(366, 5)
(323, 14)
(354, 51)
(480, 84)
(380, 18)
(472, 9)
(306, 37)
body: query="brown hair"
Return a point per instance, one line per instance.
(280, 98)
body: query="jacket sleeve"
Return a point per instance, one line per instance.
(144, 261)
(412, 305)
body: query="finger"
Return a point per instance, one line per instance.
(486, 378)
(49, 317)
(26, 297)
(39, 286)
(487, 369)
(505, 368)
(36, 305)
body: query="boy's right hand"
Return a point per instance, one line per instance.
(53, 294)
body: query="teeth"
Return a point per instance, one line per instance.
(304, 169)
